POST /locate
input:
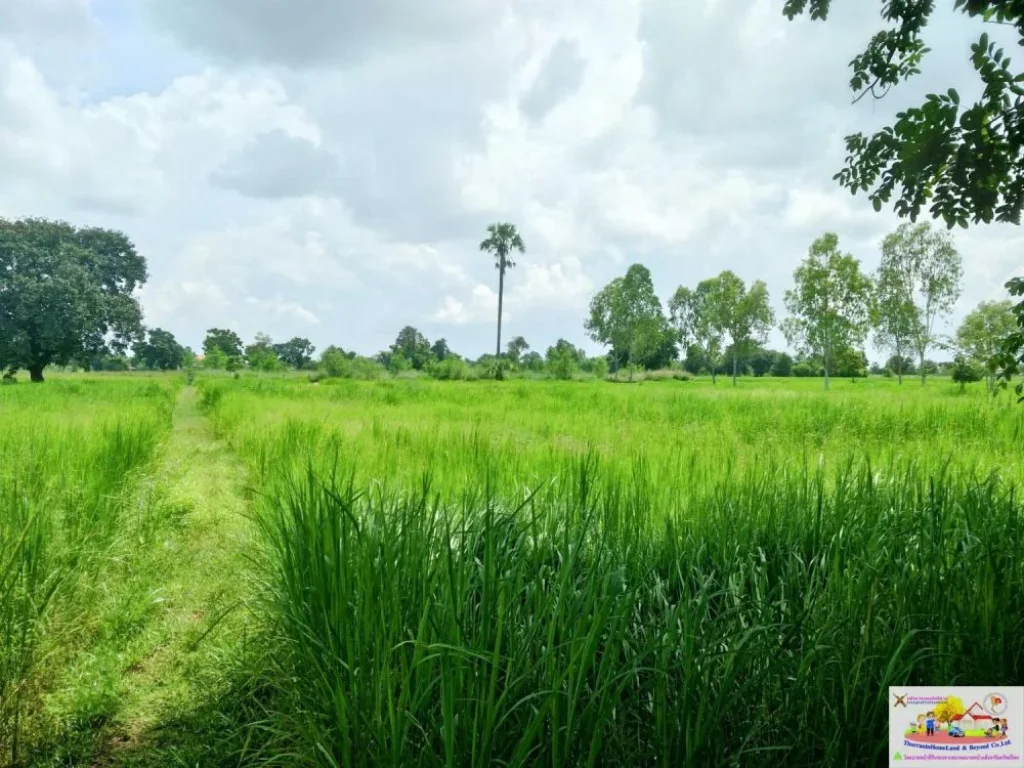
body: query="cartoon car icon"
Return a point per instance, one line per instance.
(956, 731)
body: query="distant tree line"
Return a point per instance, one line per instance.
(67, 297)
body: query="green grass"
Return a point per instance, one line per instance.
(580, 573)
(499, 573)
(70, 456)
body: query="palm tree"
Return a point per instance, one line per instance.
(502, 240)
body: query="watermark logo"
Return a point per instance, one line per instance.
(957, 725)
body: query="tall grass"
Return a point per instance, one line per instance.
(69, 454)
(582, 574)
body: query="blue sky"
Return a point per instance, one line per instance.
(330, 173)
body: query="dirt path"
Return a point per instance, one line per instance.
(169, 644)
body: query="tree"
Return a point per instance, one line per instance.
(502, 240)
(532, 361)
(626, 315)
(563, 359)
(982, 333)
(918, 281)
(693, 318)
(948, 709)
(901, 366)
(829, 304)
(297, 352)
(744, 316)
(440, 349)
(964, 372)
(161, 351)
(516, 347)
(414, 347)
(783, 365)
(65, 292)
(261, 355)
(693, 362)
(1011, 358)
(761, 361)
(228, 342)
(850, 362)
(966, 161)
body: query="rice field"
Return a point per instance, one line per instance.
(560, 573)
(532, 573)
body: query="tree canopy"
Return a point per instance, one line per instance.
(626, 315)
(161, 351)
(66, 292)
(919, 280)
(694, 317)
(413, 346)
(829, 303)
(964, 161)
(982, 333)
(295, 353)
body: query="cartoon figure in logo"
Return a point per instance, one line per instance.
(930, 724)
(920, 723)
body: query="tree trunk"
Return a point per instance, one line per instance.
(714, 378)
(629, 362)
(899, 366)
(35, 373)
(921, 369)
(826, 361)
(735, 363)
(501, 291)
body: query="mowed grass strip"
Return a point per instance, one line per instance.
(585, 574)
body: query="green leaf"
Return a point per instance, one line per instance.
(954, 95)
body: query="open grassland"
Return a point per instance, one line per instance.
(544, 573)
(72, 454)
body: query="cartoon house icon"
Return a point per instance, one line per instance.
(975, 717)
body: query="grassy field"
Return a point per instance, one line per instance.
(553, 573)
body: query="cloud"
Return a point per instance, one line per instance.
(276, 165)
(278, 308)
(341, 164)
(561, 74)
(323, 32)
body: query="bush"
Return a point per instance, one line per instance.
(782, 366)
(805, 370)
(964, 373)
(599, 367)
(449, 369)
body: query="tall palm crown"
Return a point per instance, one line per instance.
(502, 240)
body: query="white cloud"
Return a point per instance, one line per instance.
(347, 158)
(278, 307)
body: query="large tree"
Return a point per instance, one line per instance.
(693, 316)
(413, 346)
(919, 280)
(829, 304)
(297, 352)
(65, 292)
(744, 316)
(626, 315)
(516, 347)
(228, 343)
(161, 351)
(502, 241)
(982, 333)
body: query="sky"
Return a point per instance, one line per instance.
(327, 168)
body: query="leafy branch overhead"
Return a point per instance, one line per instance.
(961, 162)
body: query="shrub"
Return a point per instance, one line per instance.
(449, 369)
(599, 367)
(804, 370)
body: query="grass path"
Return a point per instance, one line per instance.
(171, 627)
